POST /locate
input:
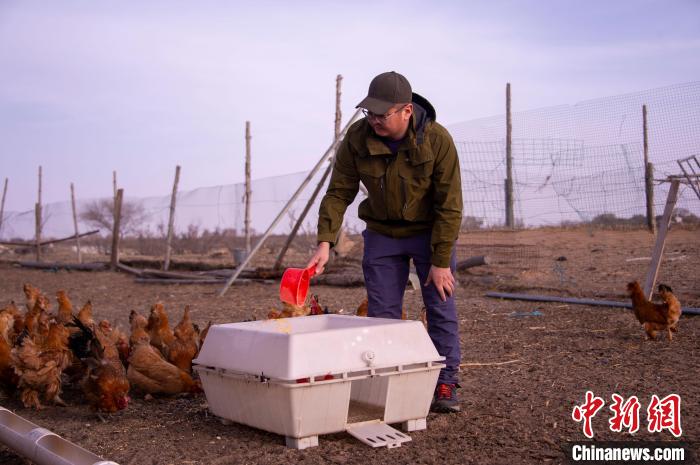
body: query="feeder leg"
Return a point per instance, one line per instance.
(301, 443)
(414, 425)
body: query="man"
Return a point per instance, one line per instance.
(409, 165)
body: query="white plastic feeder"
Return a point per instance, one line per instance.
(303, 377)
(40, 445)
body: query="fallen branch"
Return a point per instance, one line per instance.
(178, 281)
(128, 269)
(477, 364)
(197, 281)
(53, 241)
(64, 266)
(471, 262)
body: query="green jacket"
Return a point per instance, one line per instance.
(415, 191)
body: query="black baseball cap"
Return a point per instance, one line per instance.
(385, 91)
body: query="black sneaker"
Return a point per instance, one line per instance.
(445, 399)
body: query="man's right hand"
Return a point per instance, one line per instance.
(321, 257)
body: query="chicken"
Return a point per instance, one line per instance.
(18, 325)
(316, 308)
(655, 317)
(151, 373)
(184, 346)
(7, 374)
(105, 384)
(32, 293)
(36, 319)
(65, 308)
(424, 317)
(362, 310)
(674, 309)
(118, 338)
(159, 330)
(39, 366)
(138, 328)
(85, 314)
(203, 335)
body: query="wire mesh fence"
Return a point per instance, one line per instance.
(580, 164)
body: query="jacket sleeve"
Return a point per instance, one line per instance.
(448, 198)
(342, 189)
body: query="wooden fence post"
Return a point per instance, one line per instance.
(2, 205)
(37, 219)
(247, 187)
(115, 232)
(510, 217)
(338, 112)
(37, 225)
(75, 223)
(331, 150)
(648, 175)
(171, 220)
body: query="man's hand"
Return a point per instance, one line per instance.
(442, 279)
(321, 256)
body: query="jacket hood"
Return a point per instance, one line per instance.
(423, 112)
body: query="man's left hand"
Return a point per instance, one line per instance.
(443, 280)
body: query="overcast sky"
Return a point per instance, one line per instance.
(138, 87)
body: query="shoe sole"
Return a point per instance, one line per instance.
(437, 409)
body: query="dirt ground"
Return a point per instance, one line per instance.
(512, 413)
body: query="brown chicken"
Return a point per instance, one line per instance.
(655, 317)
(184, 346)
(18, 325)
(32, 293)
(362, 310)
(138, 328)
(203, 335)
(65, 308)
(118, 338)
(7, 374)
(36, 321)
(151, 373)
(159, 329)
(105, 384)
(85, 314)
(39, 366)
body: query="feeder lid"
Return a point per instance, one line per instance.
(295, 348)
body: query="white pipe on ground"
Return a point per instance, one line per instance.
(40, 445)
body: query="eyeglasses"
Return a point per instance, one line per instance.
(369, 114)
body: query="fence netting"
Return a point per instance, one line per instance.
(572, 164)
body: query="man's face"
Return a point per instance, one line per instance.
(394, 123)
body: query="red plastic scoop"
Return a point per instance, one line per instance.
(295, 284)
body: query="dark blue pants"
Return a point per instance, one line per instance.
(386, 266)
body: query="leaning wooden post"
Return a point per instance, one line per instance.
(510, 219)
(648, 175)
(115, 232)
(171, 220)
(2, 204)
(300, 220)
(658, 251)
(331, 150)
(247, 187)
(75, 223)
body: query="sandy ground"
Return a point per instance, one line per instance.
(518, 412)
